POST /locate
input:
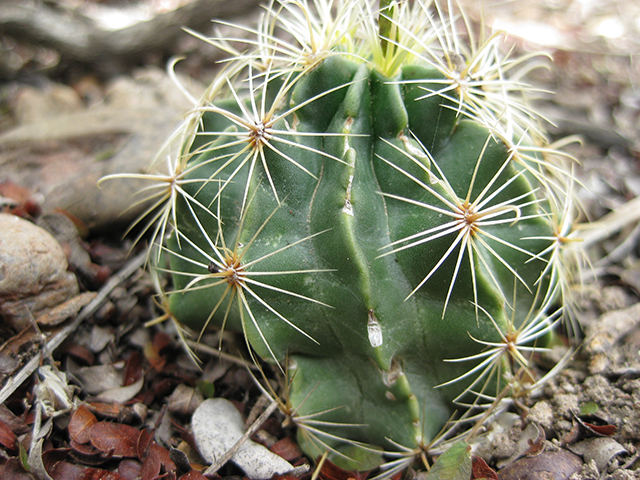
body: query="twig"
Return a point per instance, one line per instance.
(200, 347)
(54, 342)
(77, 37)
(594, 232)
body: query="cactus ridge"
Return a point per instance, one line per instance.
(376, 208)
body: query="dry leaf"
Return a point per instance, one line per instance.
(81, 422)
(144, 443)
(8, 439)
(12, 470)
(133, 371)
(79, 352)
(480, 469)
(151, 465)
(98, 378)
(100, 474)
(287, 449)
(66, 471)
(116, 439)
(330, 471)
(122, 394)
(184, 400)
(130, 469)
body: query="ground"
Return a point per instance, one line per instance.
(123, 408)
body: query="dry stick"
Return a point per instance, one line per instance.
(605, 227)
(77, 37)
(197, 346)
(250, 431)
(54, 342)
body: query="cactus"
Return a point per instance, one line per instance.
(372, 204)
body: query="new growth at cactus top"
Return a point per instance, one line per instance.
(365, 193)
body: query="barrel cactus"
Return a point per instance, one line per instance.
(366, 195)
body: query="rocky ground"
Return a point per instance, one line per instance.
(117, 389)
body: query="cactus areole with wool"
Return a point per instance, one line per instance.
(373, 204)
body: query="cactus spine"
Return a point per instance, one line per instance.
(372, 203)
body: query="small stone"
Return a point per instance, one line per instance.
(558, 465)
(217, 426)
(33, 272)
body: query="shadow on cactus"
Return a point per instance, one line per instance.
(375, 204)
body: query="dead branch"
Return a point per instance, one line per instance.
(78, 38)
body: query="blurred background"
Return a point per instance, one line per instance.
(84, 87)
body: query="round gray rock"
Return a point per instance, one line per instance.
(33, 272)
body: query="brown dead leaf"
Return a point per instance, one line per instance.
(8, 439)
(100, 474)
(134, 369)
(330, 471)
(287, 449)
(536, 447)
(18, 200)
(144, 443)
(153, 455)
(287, 477)
(152, 350)
(53, 456)
(16, 424)
(81, 422)
(153, 357)
(67, 471)
(104, 409)
(164, 456)
(161, 340)
(601, 430)
(12, 470)
(79, 352)
(86, 454)
(116, 439)
(15, 192)
(151, 465)
(130, 469)
(596, 425)
(480, 469)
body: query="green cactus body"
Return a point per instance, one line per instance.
(364, 230)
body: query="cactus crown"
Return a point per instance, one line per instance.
(366, 194)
